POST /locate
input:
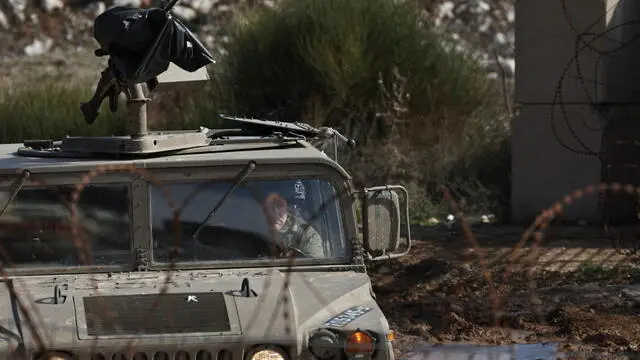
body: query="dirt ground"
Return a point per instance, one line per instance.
(575, 289)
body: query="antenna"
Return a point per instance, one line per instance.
(142, 60)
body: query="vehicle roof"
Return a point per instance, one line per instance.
(291, 152)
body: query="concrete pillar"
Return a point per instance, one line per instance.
(556, 124)
(620, 108)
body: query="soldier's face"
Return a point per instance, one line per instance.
(279, 215)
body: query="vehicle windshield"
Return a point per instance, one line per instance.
(259, 220)
(36, 228)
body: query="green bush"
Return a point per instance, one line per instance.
(322, 61)
(422, 114)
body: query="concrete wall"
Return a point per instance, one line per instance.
(553, 146)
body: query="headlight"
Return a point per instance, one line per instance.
(55, 355)
(266, 353)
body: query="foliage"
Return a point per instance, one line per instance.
(373, 69)
(422, 115)
(323, 60)
(51, 111)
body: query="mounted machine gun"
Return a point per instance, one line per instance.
(147, 49)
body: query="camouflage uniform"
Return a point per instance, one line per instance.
(298, 233)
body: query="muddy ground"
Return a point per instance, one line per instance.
(576, 289)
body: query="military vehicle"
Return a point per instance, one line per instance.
(164, 245)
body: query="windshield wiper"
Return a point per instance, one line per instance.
(248, 169)
(17, 186)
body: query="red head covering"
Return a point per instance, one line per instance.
(275, 199)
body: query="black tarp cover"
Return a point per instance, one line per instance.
(142, 42)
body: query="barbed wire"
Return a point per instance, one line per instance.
(496, 292)
(496, 280)
(521, 263)
(581, 44)
(608, 158)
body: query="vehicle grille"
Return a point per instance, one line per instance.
(156, 314)
(191, 353)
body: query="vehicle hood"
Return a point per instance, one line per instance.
(107, 308)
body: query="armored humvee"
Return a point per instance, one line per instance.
(163, 244)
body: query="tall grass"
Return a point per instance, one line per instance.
(51, 110)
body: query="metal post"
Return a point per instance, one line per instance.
(365, 219)
(137, 108)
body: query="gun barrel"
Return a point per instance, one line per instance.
(170, 6)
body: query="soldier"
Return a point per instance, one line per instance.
(291, 229)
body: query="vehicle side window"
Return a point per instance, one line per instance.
(330, 197)
(36, 228)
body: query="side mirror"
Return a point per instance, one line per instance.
(381, 221)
